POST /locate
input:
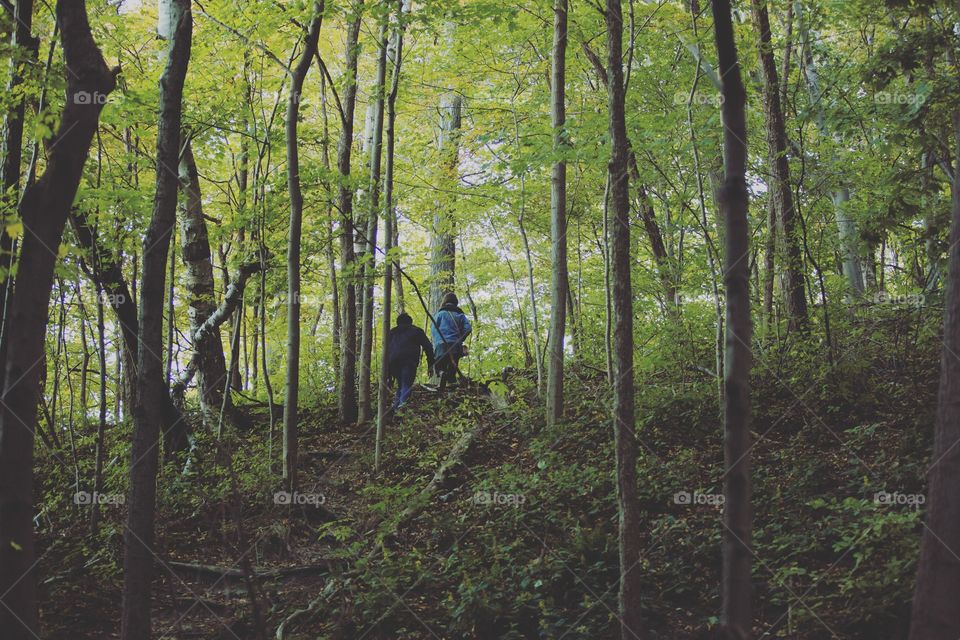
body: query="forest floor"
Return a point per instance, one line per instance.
(518, 538)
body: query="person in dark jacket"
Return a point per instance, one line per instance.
(404, 349)
(450, 328)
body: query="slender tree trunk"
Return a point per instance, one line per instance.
(376, 152)
(22, 41)
(292, 389)
(558, 216)
(199, 280)
(347, 384)
(736, 592)
(848, 235)
(102, 424)
(139, 555)
(328, 245)
(795, 297)
(43, 210)
(622, 304)
(383, 396)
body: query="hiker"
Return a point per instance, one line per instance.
(403, 356)
(450, 328)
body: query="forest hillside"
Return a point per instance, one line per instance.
(410, 319)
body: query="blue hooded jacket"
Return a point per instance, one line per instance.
(454, 328)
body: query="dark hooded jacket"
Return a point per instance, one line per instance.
(406, 344)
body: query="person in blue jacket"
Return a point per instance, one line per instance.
(405, 347)
(450, 328)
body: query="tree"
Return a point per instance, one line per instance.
(935, 615)
(376, 147)
(736, 589)
(558, 216)
(848, 236)
(624, 424)
(22, 41)
(43, 210)
(292, 389)
(347, 383)
(383, 395)
(443, 244)
(139, 555)
(780, 193)
(195, 249)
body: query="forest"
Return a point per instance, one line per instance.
(479, 319)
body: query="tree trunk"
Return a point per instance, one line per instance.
(376, 151)
(558, 217)
(787, 236)
(347, 384)
(736, 591)
(443, 233)
(383, 395)
(201, 301)
(44, 210)
(328, 245)
(935, 613)
(622, 307)
(292, 389)
(848, 235)
(21, 40)
(139, 555)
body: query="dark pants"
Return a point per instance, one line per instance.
(405, 373)
(447, 362)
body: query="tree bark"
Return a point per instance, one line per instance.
(43, 210)
(736, 591)
(21, 41)
(383, 396)
(147, 410)
(443, 245)
(622, 307)
(376, 152)
(558, 216)
(935, 613)
(787, 237)
(201, 301)
(347, 384)
(292, 388)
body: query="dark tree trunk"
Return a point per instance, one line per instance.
(736, 591)
(622, 309)
(43, 209)
(787, 236)
(139, 554)
(201, 301)
(22, 41)
(935, 612)
(347, 384)
(558, 216)
(292, 389)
